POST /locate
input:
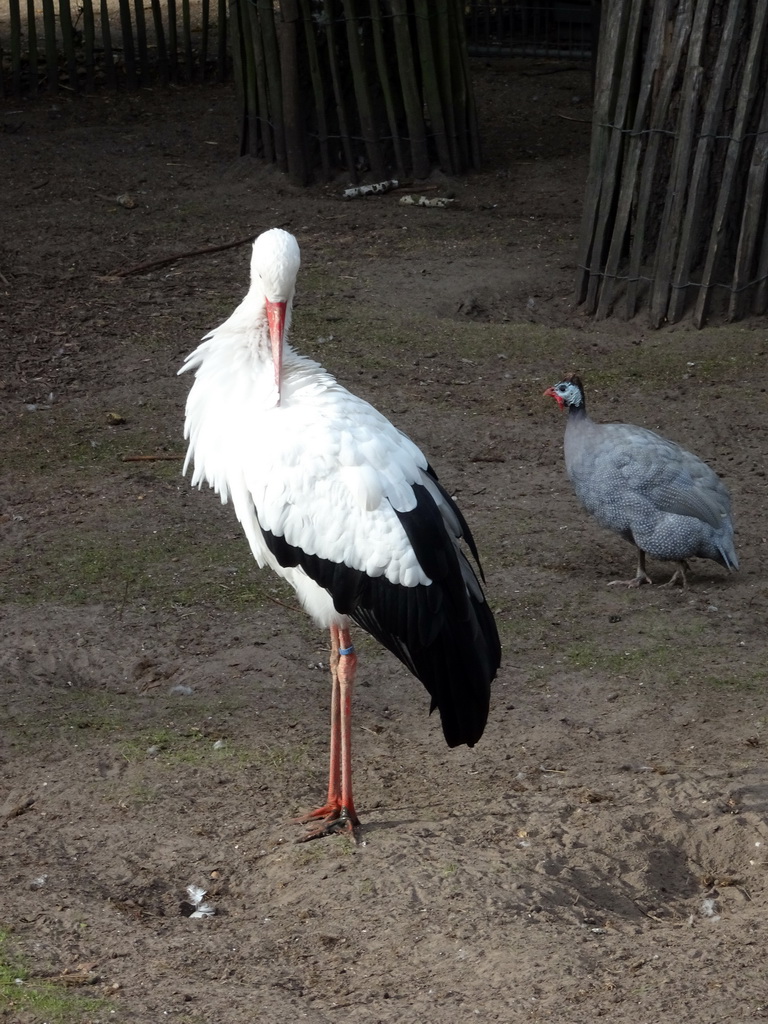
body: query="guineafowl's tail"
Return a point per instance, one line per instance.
(729, 558)
(725, 547)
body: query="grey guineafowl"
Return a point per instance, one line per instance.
(649, 490)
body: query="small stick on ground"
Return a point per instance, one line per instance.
(140, 268)
(151, 458)
(290, 607)
(19, 809)
(578, 120)
(409, 187)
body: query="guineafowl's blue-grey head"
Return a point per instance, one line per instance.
(569, 393)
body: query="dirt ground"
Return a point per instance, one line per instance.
(602, 851)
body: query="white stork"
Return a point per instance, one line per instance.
(343, 506)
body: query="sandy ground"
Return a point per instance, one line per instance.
(602, 851)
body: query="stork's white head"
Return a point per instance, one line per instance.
(275, 264)
(274, 267)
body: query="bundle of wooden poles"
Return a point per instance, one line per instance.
(57, 44)
(371, 87)
(676, 211)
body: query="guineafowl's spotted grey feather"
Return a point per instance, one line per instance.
(652, 492)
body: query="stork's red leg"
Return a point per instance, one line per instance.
(346, 677)
(339, 810)
(334, 768)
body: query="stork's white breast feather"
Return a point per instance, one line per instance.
(324, 469)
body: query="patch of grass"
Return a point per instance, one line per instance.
(654, 655)
(343, 845)
(305, 854)
(121, 561)
(139, 793)
(751, 681)
(47, 441)
(718, 353)
(170, 748)
(84, 719)
(588, 654)
(22, 993)
(75, 712)
(151, 755)
(659, 659)
(514, 630)
(377, 338)
(374, 341)
(280, 757)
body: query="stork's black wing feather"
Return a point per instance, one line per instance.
(444, 633)
(466, 533)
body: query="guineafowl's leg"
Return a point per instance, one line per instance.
(679, 574)
(640, 577)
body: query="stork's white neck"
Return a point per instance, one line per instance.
(249, 324)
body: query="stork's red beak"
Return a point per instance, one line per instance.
(276, 320)
(551, 393)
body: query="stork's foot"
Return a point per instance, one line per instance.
(636, 581)
(331, 820)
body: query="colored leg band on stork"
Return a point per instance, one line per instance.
(347, 650)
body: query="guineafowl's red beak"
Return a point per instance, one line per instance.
(276, 321)
(551, 393)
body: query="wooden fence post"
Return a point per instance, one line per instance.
(677, 126)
